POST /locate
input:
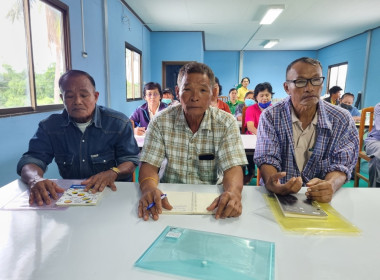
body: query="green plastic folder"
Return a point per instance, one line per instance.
(205, 255)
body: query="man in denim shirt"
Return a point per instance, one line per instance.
(86, 140)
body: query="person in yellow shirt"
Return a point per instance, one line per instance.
(243, 89)
(334, 97)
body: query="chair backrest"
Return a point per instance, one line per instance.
(223, 98)
(364, 127)
(243, 128)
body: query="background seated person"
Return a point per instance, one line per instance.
(242, 91)
(168, 97)
(215, 101)
(263, 96)
(346, 102)
(248, 101)
(334, 97)
(372, 148)
(305, 140)
(233, 102)
(143, 114)
(86, 140)
(198, 141)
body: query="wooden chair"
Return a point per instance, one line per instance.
(134, 172)
(362, 153)
(223, 98)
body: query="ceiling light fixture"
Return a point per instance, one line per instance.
(272, 13)
(270, 43)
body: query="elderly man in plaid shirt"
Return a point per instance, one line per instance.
(199, 142)
(304, 140)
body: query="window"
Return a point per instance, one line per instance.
(337, 76)
(133, 72)
(34, 53)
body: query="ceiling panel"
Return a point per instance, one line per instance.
(228, 25)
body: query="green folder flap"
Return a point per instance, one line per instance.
(205, 255)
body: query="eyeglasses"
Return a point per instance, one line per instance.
(149, 95)
(300, 83)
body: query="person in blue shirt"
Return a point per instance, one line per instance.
(305, 141)
(87, 141)
(372, 148)
(346, 102)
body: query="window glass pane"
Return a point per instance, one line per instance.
(14, 80)
(333, 76)
(128, 71)
(341, 81)
(136, 76)
(48, 51)
(337, 76)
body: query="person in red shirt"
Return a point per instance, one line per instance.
(215, 102)
(263, 96)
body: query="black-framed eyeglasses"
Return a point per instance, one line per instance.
(300, 83)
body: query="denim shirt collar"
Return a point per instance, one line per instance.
(96, 120)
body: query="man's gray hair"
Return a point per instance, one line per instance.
(196, 67)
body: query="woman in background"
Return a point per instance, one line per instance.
(233, 102)
(142, 115)
(263, 96)
(243, 89)
(215, 101)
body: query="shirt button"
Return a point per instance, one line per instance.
(104, 160)
(83, 140)
(83, 160)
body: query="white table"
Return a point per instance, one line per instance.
(249, 141)
(104, 241)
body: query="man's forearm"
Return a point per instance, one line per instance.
(126, 168)
(148, 176)
(31, 174)
(233, 179)
(337, 179)
(266, 172)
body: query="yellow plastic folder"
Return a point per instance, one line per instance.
(335, 224)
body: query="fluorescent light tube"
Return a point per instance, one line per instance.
(271, 15)
(270, 44)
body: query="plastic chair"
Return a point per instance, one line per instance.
(362, 153)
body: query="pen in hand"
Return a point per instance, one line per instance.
(153, 203)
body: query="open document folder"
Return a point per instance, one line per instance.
(334, 223)
(205, 255)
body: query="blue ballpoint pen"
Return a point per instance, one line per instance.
(153, 203)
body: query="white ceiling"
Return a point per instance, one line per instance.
(230, 24)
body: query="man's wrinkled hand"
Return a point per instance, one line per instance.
(101, 180)
(292, 186)
(43, 191)
(319, 190)
(149, 196)
(228, 204)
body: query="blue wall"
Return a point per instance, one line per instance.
(135, 34)
(353, 51)
(225, 65)
(270, 66)
(372, 94)
(173, 46)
